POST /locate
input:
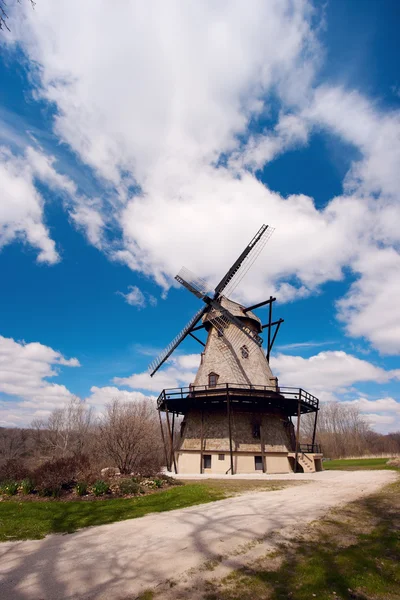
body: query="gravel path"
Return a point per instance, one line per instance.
(120, 560)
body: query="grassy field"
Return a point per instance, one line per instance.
(354, 554)
(353, 464)
(21, 520)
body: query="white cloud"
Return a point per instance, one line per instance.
(24, 372)
(328, 373)
(160, 103)
(100, 396)
(135, 297)
(91, 221)
(371, 307)
(21, 207)
(383, 414)
(179, 372)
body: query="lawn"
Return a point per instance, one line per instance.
(21, 520)
(352, 554)
(353, 464)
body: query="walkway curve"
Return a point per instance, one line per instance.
(122, 559)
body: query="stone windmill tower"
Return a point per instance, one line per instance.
(236, 418)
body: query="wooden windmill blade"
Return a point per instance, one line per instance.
(166, 353)
(240, 267)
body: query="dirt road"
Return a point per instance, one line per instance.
(122, 559)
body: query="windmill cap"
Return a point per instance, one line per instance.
(237, 310)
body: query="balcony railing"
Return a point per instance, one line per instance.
(310, 448)
(238, 389)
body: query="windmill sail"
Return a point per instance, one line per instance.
(245, 260)
(166, 353)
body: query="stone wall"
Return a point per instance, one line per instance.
(273, 431)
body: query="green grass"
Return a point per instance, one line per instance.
(34, 520)
(353, 554)
(352, 464)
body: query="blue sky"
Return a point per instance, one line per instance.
(160, 136)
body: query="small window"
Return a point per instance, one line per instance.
(245, 351)
(207, 461)
(221, 456)
(258, 463)
(256, 431)
(212, 379)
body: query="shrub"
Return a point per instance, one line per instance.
(13, 469)
(129, 486)
(99, 488)
(9, 488)
(27, 486)
(158, 482)
(54, 476)
(81, 488)
(169, 480)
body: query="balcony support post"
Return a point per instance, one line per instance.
(297, 433)
(164, 444)
(228, 408)
(171, 441)
(315, 427)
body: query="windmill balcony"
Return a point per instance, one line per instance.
(288, 400)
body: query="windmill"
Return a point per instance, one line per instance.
(236, 418)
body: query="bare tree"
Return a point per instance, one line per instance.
(4, 13)
(67, 430)
(129, 436)
(342, 430)
(13, 443)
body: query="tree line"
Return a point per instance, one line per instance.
(127, 436)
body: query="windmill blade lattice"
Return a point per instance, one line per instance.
(193, 283)
(245, 260)
(166, 353)
(248, 261)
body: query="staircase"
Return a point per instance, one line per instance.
(306, 462)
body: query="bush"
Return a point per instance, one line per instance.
(169, 480)
(129, 486)
(158, 482)
(13, 469)
(27, 486)
(81, 488)
(9, 488)
(99, 488)
(54, 476)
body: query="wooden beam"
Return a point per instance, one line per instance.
(171, 441)
(264, 466)
(254, 306)
(272, 324)
(275, 334)
(197, 339)
(269, 328)
(198, 327)
(201, 439)
(315, 427)
(228, 408)
(297, 435)
(164, 444)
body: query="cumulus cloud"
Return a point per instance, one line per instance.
(100, 396)
(162, 112)
(21, 206)
(24, 372)
(179, 372)
(327, 374)
(383, 414)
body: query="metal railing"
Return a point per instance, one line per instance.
(192, 391)
(310, 448)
